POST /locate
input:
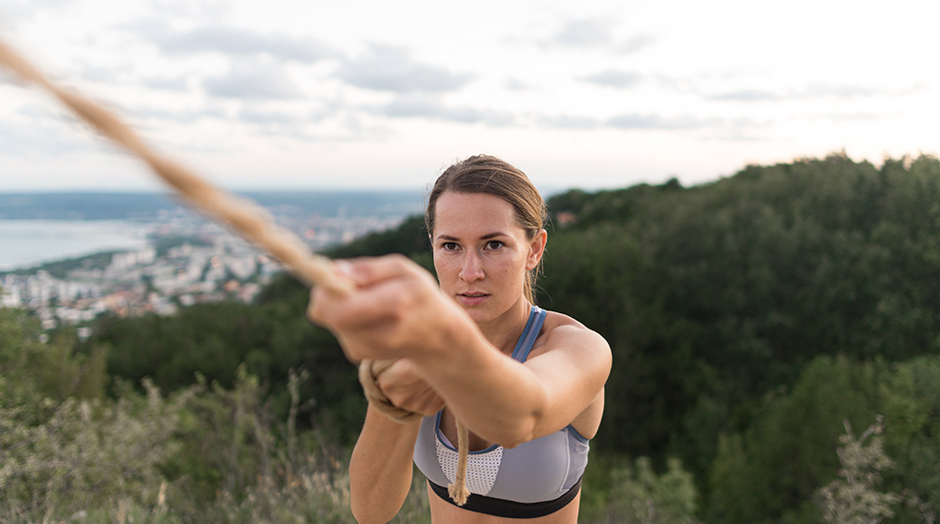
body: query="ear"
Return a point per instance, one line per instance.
(536, 250)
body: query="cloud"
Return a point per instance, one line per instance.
(230, 41)
(746, 95)
(514, 84)
(843, 91)
(41, 138)
(637, 121)
(635, 44)
(596, 33)
(568, 122)
(183, 116)
(627, 122)
(168, 84)
(583, 33)
(812, 91)
(41, 114)
(418, 107)
(259, 81)
(388, 68)
(194, 9)
(127, 76)
(267, 117)
(109, 75)
(28, 9)
(851, 117)
(614, 78)
(281, 123)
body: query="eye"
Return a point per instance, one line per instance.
(494, 244)
(449, 246)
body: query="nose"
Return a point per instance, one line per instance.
(472, 267)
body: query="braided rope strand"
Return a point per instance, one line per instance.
(458, 490)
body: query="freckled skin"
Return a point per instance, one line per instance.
(481, 255)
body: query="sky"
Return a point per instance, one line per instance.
(593, 94)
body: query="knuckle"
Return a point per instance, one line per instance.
(315, 309)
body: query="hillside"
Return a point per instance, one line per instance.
(748, 317)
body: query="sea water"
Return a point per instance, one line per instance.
(27, 243)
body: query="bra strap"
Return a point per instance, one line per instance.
(531, 332)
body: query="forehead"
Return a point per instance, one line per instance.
(471, 214)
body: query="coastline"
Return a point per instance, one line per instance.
(29, 243)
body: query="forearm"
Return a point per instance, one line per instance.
(380, 468)
(493, 395)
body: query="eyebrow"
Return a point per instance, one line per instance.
(484, 237)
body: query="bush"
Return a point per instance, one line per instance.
(86, 454)
(615, 492)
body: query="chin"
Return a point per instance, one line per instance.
(485, 312)
(477, 314)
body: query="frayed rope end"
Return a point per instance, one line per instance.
(458, 494)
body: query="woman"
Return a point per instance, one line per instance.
(529, 384)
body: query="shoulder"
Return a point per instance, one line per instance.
(563, 333)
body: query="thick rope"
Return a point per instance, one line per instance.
(243, 216)
(458, 490)
(369, 371)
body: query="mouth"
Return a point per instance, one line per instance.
(471, 299)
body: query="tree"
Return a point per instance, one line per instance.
(854, 497)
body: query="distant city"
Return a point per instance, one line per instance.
(186, 260)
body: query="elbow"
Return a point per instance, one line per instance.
(360, 511)
(522, 431)
(364, 514)
(509, 444)
(372, 507)
(523, 426)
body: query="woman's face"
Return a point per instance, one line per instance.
(481, 254)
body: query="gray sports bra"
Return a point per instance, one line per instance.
(537, 471)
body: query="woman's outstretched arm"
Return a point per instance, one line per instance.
(508, 402)
(380, 468)
(398, 312)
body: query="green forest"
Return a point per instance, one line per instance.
(776, 344)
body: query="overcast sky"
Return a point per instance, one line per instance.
(357, 94)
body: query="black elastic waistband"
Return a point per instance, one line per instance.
(511, 508)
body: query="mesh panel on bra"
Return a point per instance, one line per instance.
(482, 468)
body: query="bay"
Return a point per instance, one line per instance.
(27, 243)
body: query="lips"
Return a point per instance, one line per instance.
(472, 299)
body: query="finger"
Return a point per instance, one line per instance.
(433, 406)
(428, 404)
(311, 305)
(368, 271)
(321, 302)
(363, 272)
(371, 300)
(380, 307)
(412, 400)
(399, 372)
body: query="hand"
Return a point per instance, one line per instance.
(402, 385)
(396, 311)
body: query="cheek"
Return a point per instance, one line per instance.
(444, 267)
(512, 266)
